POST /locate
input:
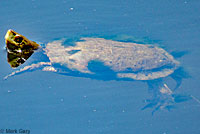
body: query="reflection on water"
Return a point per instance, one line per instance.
(102, 59)
(15, 59)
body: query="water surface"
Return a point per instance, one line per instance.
(46, 102)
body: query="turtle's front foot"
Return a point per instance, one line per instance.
(46, 66)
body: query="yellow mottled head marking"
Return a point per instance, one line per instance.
(17, 42)
(19, 48)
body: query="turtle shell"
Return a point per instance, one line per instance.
(127, 60)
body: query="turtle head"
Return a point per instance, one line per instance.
(17, 42)
(19, 48)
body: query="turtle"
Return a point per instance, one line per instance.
(99, 58)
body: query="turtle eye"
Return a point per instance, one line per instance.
(18, 39)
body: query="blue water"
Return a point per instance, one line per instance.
(49, 103)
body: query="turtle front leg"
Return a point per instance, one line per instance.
(46, 66)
